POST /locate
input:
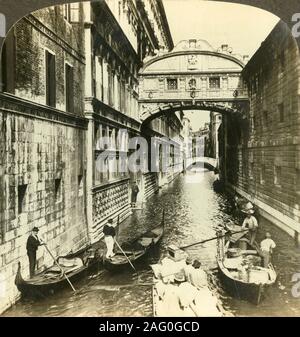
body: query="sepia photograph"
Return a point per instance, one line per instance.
(149, 159)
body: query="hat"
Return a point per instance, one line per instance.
(110, 220)
(249, 211)
(248, 208)
(189, 260)
(268, 235)
(35, 229)
(197, 264)
(179, 277)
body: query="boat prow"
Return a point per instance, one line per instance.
(54, 277)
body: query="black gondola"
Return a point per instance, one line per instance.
(136, 250)
(240, 270)
(52, 279)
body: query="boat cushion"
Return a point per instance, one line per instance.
(233, 263)
(145, 242)
(258, 276)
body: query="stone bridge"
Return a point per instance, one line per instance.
(193, 76)
(208, 162)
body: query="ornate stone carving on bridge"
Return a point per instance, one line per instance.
(192, 61)
(152, 110)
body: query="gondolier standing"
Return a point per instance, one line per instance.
(109, 235)
(33, 242)
(250, 222)
(134, 192)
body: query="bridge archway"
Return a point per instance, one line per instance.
(193, 76)
(207, 162)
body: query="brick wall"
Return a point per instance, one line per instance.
(269, 156)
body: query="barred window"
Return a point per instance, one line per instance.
(172, 84)
(214, 82)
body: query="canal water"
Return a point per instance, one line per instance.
(192, 213)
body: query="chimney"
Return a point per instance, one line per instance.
(224, 47)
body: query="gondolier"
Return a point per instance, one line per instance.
(109, 238)
(33, 242)
(134, 192)
(250, 222)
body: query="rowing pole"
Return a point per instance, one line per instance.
(60, 267)
(214, 238)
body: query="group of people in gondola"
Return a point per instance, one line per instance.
(179, 279)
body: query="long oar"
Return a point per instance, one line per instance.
(214, 238)
(60, 267)
(125, 255)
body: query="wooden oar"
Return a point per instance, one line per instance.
(60, 267)
(125, 255)
(214, 238)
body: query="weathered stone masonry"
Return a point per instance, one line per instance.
(42, 148)
(268, 154)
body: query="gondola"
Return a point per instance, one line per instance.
(239, 267)
(135, 250)
(171, 287)
(52, 279)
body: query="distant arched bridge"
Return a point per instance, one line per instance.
(208, 162)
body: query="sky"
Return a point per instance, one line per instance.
(242, 27)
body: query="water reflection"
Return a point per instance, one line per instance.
(192, 212)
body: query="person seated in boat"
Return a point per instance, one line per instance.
(109, 238)
(188, 268)
(207, 304)
(33, 242)
(169, 268)
(267, 245)
(251, 223)
(186, 294)
(198, 276)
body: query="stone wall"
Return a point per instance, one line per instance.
(38, 156)
(268, 155)
(42, 148)
(42, 32)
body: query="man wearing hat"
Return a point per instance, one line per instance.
(33, 242)
(250, 222)
(109, 234)
(267, 245)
